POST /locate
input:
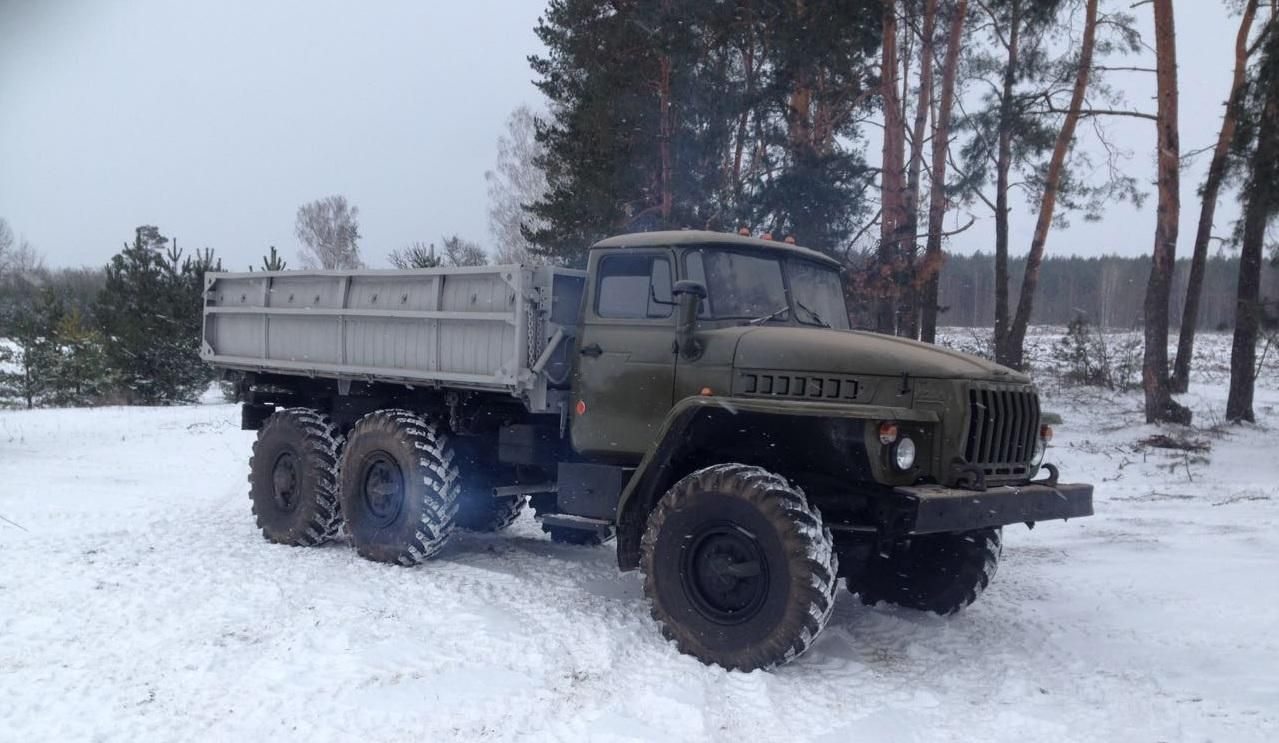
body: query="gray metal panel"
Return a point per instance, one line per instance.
(236, 335)
(301, 338)
(475, 328)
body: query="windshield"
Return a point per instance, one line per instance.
(750, 286)
(818, 293)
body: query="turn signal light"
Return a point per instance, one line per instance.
(1046, 433)
(887, 432)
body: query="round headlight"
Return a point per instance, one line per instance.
(904, 453)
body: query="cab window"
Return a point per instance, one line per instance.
(739, 285)
(634, 287)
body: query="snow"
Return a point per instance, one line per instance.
(138, 602)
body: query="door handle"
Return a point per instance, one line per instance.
(592, 350)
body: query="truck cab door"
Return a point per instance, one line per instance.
(626, 362)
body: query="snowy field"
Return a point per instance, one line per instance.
(139, 603)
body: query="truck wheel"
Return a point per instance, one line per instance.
(739, 568)
(477, 509)
(941, 573)
(293, 478)
(399, 487)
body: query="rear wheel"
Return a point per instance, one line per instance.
(739, 568)
(941, 573)
(480, 511)
(399, 487)
(293, 478)
(478, 473)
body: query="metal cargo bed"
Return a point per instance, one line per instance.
(489, 328)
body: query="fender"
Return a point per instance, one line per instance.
(659, 468)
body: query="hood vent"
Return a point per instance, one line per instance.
(805, 386)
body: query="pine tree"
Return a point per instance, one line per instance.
(273, 262)
(1159, 403)
(1217, 173)
(701, 115)
(1016, 137)
(33, 331)
(79, 374)
(1258, 144)
(149, 312)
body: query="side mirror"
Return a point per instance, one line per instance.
(688, 298)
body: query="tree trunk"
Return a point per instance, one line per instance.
(1262, 200)
(1048, 203)
(937, 198)
(909, 326)
(1212, 187)
(665, 140)
(892, 176)
(1154, 371)
(748, 70)
(1003, 164)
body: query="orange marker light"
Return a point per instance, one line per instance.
(707, 392)
(581, 407)
(766, 236)
(1046, 433)
(887, 432)
(744, 232)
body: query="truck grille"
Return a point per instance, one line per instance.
(1002, 426)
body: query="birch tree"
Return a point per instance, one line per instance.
(329, 229)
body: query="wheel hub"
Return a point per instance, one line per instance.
(284, 481)
(724, 573)
(383, 485)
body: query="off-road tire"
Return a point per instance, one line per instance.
(477, 509)
(293, 478)
(399, 487)
(699, 528)
(941, 573)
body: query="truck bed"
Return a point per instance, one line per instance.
(479, 328)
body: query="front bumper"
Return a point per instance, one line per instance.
(928, 509)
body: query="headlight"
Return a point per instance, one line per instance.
(904, 454)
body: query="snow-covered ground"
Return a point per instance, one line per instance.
(138, 602)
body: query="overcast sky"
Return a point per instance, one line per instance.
(215, 119)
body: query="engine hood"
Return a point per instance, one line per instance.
(861, 353)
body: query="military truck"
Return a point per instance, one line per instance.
(699, 397)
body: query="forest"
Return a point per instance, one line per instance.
(873, 130)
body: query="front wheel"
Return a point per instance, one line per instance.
(941, 573)
(739, 568)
